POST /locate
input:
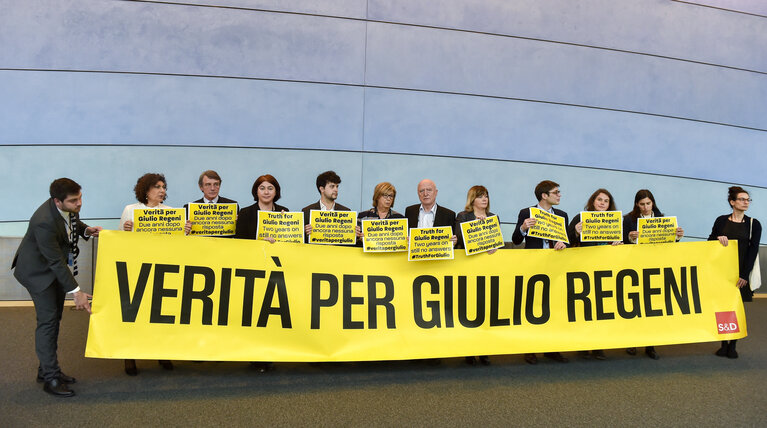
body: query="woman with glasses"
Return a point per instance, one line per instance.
(383, 199)
(748, 232)
(151, 190)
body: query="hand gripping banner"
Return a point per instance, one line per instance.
(198, 298)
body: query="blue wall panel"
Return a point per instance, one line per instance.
(657, 27)
(454, 125)
(162, 38)
(99, 108)
(442, 60)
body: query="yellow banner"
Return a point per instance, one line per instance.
(198, 298)
(213, 219)
(548, 226)
(656, 230)
(384, 235)
(333, 227)
(160, 221)
(430, 243)
(283, 227)
(601, 226)
(481, 235)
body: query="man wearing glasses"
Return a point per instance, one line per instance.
(548, 195)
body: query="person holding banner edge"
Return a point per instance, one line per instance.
(477, 207)
(266, 192)
(600, 200)
(151, 191)
(548, 194)
(748, 232)
(46, 265)
(327, 184)
(644, 207)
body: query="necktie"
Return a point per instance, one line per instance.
(73, 248)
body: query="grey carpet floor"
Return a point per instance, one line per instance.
(688, 386)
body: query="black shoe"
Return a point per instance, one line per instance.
(721, 352)
(631, 351)
(130, 368)
(599, 354)
(556, 356)
(471, 361)
(57, 388)
(531, 359)
(584, 354)
(651, 353)
(68, 380)
(166, 364)
(484, 360)
(731, 352)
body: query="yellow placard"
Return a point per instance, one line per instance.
(601, 226)
(656, 230)
(481, 235)
(198, 298)
(283, 227)
(333, 227)
(159, 221)
(430, 243)
(213, 219)
(384, 235)
(548, 226)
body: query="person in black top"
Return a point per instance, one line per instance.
(327, 185)
(383, 201)
(266, 192)
(748, 232)
(644, 207)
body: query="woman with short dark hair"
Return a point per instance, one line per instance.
(266, 192)
(748, 232)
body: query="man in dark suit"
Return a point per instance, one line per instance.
(210, 185)
(45, 264)
(548, 195)
(427, 213)
(327, 185)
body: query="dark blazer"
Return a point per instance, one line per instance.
(463, 217)
(44, 251)
(316, 206)
(221, 200)
(247, 221)
(443, 217)
(530, 241)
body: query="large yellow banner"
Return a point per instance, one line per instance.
(199, 298)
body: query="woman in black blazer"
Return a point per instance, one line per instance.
(644, 207)
(266, 191)
(748, 232)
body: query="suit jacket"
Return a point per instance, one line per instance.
(316, 206)
(44, 251)
(530, 241)
(221, 200)
(443, 217)
(247, 221)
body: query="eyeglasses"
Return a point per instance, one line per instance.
(388, 196)
(744, 200)
(554, 192)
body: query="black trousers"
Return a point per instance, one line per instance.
(49, 305)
